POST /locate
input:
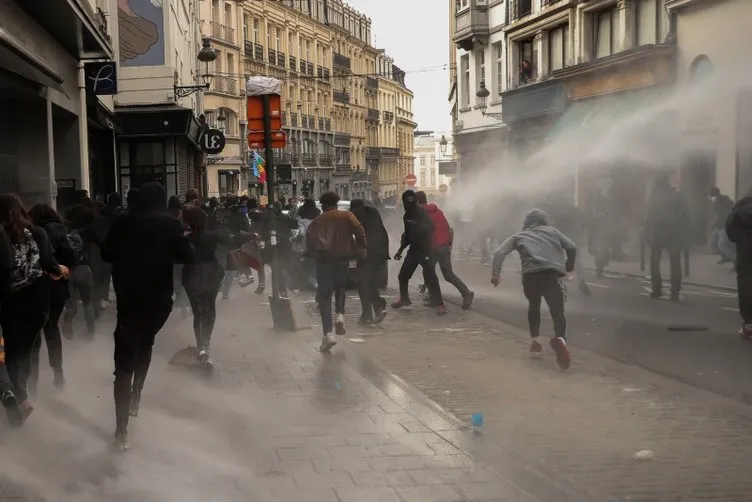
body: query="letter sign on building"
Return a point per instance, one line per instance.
(213, 141)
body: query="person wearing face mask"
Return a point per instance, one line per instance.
(417, 236)
(722, 207)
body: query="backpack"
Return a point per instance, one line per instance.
(80, 252)
(26, 267)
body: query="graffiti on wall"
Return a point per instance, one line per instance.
(141, 32)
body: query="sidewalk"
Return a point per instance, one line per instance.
(581, 427)
(704, 269)
(280, 422)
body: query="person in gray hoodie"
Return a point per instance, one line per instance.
(547, 255)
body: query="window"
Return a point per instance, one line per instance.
(605, 32)
(433, 160)
(433, 177)
(480, 68)
(278, 44)
(465, 69)
(308, 50)
(255, 30)
(229, 182)
(246, 20)
(422, 178)
(462, 4)
(652, 22)
(290, 44)
(557, 48)
(498, 71)
(527, 55)
(422, 160)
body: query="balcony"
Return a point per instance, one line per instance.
(304, 121)
(373, 153)
(327, 124)
(520, 9)
(284, 118)
(272, 56)
(372, 115)
(341, 97)
(388, 117)
(320, 71)
(341, 139)
(321, 124)
(340, 61)
(472, 25)
(224, 85)
(222, 32)
(308, 159)
(326, 160)
(294, 120)
(293, 63)
(372, 83)
(389, 153)
(309, 69)
(302, 66)
(311, 122)
(282, 157)
(253, 51)
(295, 159)
(326, 73)
(281, 59)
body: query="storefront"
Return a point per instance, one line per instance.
(159, 144)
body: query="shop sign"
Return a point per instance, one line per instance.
(101, 78)
(213, 141)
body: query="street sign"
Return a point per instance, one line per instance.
(213, 141)
(443, 188)
(256, 140)
(411, 180)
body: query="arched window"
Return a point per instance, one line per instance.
(700, 68)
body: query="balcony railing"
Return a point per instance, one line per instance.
(326, 73)
(372, 83)
(373, 152)
(294, 120)
(282, 157)
(284, 118)
(320, 71)
(281, 59)
(308, 159)
(321, 124)
(388, 116)
(389, 153)
(326, 160)
(372, 115)
(341, 139)
(222, 32)
(254, 51)
(304, 121)
(340, 60)
(521, 8)
(341, 97)
(226, 85)
(272, 56)
(295, 159)
(309, 69)
(327, 124)
(293, 63)
(302, 66)
(311, 122)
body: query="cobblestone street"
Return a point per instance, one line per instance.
(280, 422)
(581, 428)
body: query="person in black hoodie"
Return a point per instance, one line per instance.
(24, 308)
(417, 236)
(233, 221)
(46, 217)
(377, 253)
(739, 230)
(80, 219)
(142, 247)
(7, 396)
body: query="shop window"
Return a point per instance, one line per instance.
(149, 154)
(228, 182)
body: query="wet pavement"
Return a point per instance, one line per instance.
(584, 428)
(278, 422)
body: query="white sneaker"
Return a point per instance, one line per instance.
(339, 324)
(327, 343)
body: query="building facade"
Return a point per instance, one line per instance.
(158, 44)
(720, 150)
(331, 101)
(428, 158)
(48, 114)
(480, 63)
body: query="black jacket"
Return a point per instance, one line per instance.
(377, 238)
(58, 237)
(739, 231)
(667, 215)
(143, 247)
(418, 231)
(722, 208)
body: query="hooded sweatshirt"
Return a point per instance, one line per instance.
(377, 238)
(418, 232)
(541, 247)
(442, 232)
(739, 231)
(143, 247)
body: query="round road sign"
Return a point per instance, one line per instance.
(443, 188)
(213, 141)
(411, 180)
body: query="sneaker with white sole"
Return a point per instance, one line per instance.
(327, 343)
(563, 358)
(339, 324)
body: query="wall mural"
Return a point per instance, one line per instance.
(141, 32)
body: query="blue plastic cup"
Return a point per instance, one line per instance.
(477, 419)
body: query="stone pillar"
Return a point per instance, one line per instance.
(627, 24)
(539, 54)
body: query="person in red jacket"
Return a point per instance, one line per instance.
(441, 248)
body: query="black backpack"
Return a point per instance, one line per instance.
(78, 244)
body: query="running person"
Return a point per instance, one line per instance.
(547, 255)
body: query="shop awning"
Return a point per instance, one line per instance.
(158, 120)
(599, 113)
(18, 60)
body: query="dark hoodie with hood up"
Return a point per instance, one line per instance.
(541, 247)
(143, 246)
(377, 238)
(418, 233)
(739, 231)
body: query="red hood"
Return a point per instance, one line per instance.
(431, 208)
(442, 233)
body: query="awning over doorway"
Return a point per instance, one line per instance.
(158, 120)
(601, 112)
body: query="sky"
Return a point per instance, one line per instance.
(416, 34)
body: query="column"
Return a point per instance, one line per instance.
(626, 24)
(50, 175)
(539, 54)
(83, 130)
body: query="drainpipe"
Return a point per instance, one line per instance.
(83, 129)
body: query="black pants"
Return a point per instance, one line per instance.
(51, 330)
(443, 256)
(81, 285)
(331, 276)
(545, 285)
(411, 262)
(134, 338)
(370, 298)
(22, 316)
(202, 283)
(744, 292)
(674, 248)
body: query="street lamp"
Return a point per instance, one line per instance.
(206, 55)
(483, 94)
(221, 119)
(443, 145)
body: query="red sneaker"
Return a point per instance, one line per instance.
(399, 303)
(441, 310)
(536, 349)
(562, 352)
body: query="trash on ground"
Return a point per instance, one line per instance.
(644, 455)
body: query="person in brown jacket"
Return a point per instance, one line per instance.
(333, 239)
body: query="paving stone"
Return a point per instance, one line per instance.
(384, 478)
(367, 495)
(430, 493)
(323, 480)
